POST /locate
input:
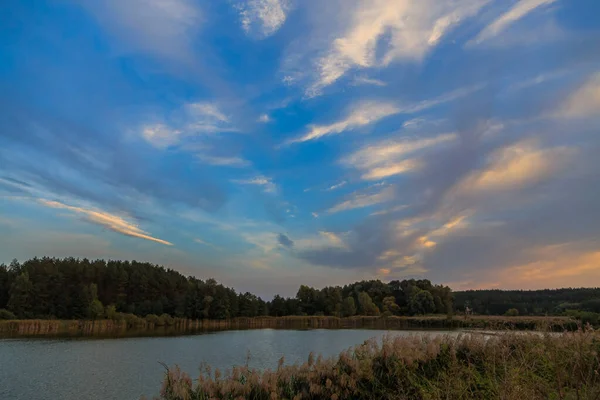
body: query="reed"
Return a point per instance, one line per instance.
(131, 325)
(471, 366)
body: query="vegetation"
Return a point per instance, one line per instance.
(152, 325)
(507, 366)
(69, 288)
(529, 302)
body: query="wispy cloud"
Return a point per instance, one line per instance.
(110, 221)
(359, 200)
(516, 166)
(389, 158)
(414, 27)
(410, 108)
(322, 240)
(165, 28)
(236, 162)
(264, 118)
(516, 12)
(585, 101)
(337, 186)
(537, 80)
(205, 243)
(390, 210)
(268, 185)
(160, 135)
(262, 18)
(362, 114)
(191, 119)
(369, 112)
(363, 80)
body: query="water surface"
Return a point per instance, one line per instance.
(125, 369)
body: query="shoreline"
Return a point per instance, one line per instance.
(37, 328)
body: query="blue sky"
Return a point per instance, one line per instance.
(270, 143)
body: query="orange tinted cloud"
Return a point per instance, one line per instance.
(113, 222)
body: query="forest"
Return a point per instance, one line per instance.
(70, 288)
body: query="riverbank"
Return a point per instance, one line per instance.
(507, 366)
(177, 326)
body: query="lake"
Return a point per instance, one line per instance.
(125, 369)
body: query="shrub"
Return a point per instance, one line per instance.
(5, 314)
(111, 312)
(512, 312)
(167, 319)
(154, 319)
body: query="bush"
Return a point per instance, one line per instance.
(5, 314)
(154, 319)
(131, 319)
(111, 312)
(167, 319)
(512, 312)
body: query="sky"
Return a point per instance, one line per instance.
(273, 143)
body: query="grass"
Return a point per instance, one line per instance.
(470, 366)
(131, 325)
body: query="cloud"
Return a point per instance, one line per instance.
(264, 118)
(236, 162)
(166, 28)
(110, 221)
(336, 186)
(192, 119)
(517, 12)
(410, 108)
(363, 80)
(411, 29)
(266, 183)
(368, 112)
(358, 200)
(362, 114)
(585, 101)
(285, 241)
(388, 158)
(322, 240)
(202, 242)
(262, 18)
(537, 80)
(558, 265)
(516, 166)
(61, 158)
(160, 135)
(390, 210)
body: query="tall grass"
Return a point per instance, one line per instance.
(471, 366)
(131, 325)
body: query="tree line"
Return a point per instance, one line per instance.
(71, 288)
(529, 302)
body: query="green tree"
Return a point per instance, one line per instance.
(421, 302)
(348, 307)
(95, 309)
(307, 297)
(111, 312)
(390, 307)
(20, 301)
(366, 305)
(5, 314)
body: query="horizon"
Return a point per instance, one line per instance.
(273, 143)
(292, 295)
